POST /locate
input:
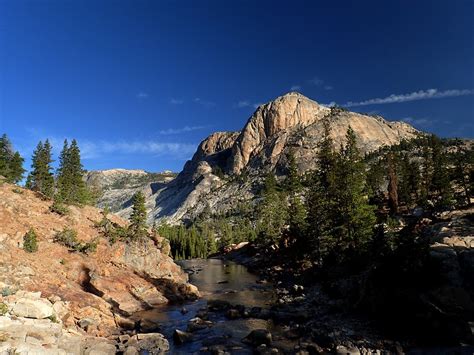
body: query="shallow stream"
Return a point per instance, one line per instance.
(222, 280)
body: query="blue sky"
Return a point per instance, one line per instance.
(141, 83)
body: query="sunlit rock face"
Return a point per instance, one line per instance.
(214, 177)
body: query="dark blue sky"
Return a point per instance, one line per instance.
(141, 83)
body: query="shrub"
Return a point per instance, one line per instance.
(59, 208)
(89, 247)
(68, 238)
(30, 242)
(3, 309)
(7, 291)
(110, 230)
(17, 191)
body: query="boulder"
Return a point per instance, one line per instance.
(197, 323)
(152, 343)
(258, 337)
(181, 337)
(33, 308)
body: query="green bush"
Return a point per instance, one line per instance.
(59, 208)
(18, 191)
(110, 230)
(89, 247)
(68, 238)
(30, 242)
(7, 291)
(3, 309)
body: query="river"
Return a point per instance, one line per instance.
(216, 280)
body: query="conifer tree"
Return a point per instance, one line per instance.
(6, 153)
(16, 168)
(11, 162)
(355, 217)
(392, 185)
(71, 185)
(463, 159)
(409, 181)
(440, 183)
(63, 175)
(41, 177)
(296, 209)
(138, 227)
(30, 242)
(272, 211)
(321, 197)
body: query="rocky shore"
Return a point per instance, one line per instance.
(321, 314)
(59, 300)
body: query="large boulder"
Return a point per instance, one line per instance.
(258, 337)
(39, 308)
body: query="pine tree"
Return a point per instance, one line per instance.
(296, 209)
(409, 181)
(138, 227)
(272, 211)
(392, 185)
(16, 168)
(440, 183)
(355, 218)
(63, 175)
(41, 177)
(30, 242)
(321, 198)
(11, 162)
(463, 159)
(71, 185)
(6, 154)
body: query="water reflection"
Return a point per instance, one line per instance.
(216, 279)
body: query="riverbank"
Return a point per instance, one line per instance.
(334, 310)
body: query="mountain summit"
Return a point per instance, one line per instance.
(291, 122)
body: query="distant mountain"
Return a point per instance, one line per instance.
(117, 186)
(228, 166)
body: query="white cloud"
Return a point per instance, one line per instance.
(176, 101)
(414, 96)
(246, 103)
(142, 95)
(295, 88)
(184, 129)
(96, 149)
(242, 104)
(419, 122)
(328, 87)
(331, 104)
(204, 103)
(316, 81)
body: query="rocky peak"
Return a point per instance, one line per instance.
(215, 143)
(285, 113)
(291, 122)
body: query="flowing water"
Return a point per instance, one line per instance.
(216, 279)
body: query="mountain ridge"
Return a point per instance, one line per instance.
(289, 122)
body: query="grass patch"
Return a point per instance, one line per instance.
(3, 309)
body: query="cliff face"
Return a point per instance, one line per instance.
(295, 122)
(101, 288)
(116, 187)
(290, 122)
(285, 114)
